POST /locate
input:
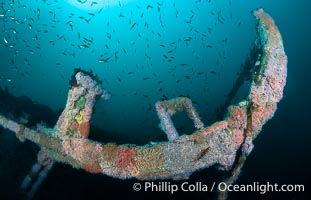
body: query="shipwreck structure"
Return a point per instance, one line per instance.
(226, 143)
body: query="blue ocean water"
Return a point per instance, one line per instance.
(145, 51)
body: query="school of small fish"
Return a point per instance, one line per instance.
(29, 31)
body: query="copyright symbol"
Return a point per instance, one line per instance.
(137, 187)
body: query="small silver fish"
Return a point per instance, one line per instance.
(5, 40)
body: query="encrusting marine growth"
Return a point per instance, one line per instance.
(182, 155)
